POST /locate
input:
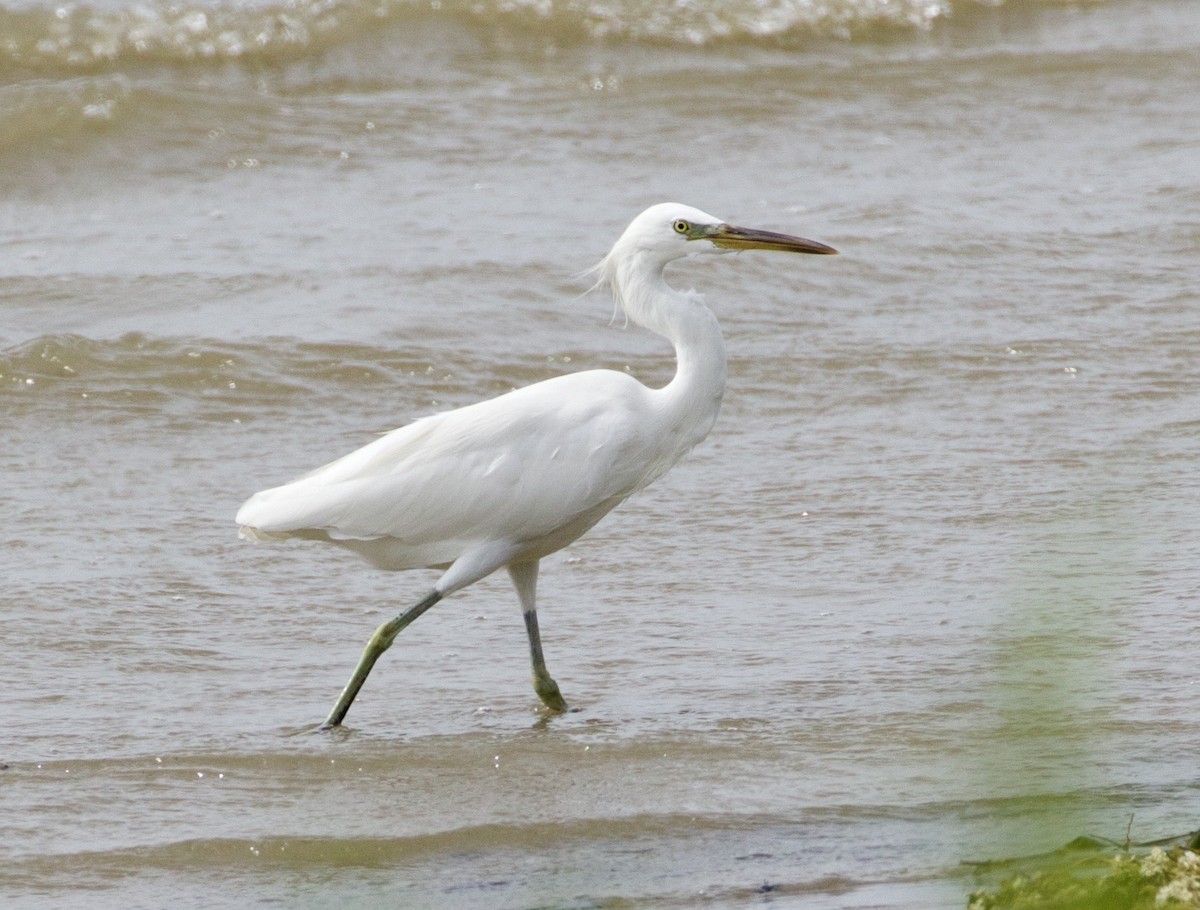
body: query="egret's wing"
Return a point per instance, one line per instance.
(516, 466)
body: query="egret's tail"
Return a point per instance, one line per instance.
(246, 532)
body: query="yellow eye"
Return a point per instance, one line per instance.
(682, 227)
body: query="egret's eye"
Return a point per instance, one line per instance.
(682, 227)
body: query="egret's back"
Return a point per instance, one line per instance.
(517, 467)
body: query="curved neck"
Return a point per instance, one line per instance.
(693, 397)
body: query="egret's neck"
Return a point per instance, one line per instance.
(691, 400)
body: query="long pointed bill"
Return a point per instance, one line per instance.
(728, 237)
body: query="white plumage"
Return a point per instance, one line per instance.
(516, 467)
(507, 481)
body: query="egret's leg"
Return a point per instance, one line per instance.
(524, 578)
(380, 642)
(543, 685)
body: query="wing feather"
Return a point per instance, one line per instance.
(519, 466)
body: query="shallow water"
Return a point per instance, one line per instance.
(927, 594)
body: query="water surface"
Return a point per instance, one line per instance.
(928, 592)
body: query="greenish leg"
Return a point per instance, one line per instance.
(524, 577)
(380, 642)
(543, 685)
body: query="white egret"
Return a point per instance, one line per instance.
(504, 482)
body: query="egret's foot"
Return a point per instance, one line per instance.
(330, 727)
(547, 690)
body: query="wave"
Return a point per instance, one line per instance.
(44, 35)
(137, 369)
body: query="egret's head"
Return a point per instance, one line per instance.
(670, 231)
